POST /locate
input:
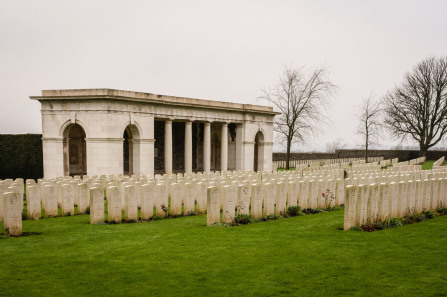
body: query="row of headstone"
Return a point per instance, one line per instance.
(321, 162)
(377, 202)
(271, 197)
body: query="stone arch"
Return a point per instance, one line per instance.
(75, 150)
(131, 150)
(258, 153)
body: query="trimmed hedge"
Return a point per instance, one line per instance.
(21, 156)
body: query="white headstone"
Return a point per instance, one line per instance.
(213, 206)
(12, 207)
(114, 207)
(96, 205)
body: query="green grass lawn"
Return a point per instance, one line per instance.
(302, 256)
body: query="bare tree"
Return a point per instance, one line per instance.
(337, 144)
(369, 122)
(300, 97)
(417, 109)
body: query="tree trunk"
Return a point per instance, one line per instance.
(289, 144)
(422, 150)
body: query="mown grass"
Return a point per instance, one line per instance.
(300, 256)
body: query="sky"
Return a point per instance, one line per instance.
(215, 50)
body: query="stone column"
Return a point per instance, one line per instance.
(206, 147)
(239, 147)
(224, 148)
(168, 147)
(188, 147)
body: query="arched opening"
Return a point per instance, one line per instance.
(258, 154)
(131, 149)
(75, 151)
(215, 151)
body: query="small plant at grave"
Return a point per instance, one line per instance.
(271, 217)
(242, 219)
(329, 198)
(442, 211)
(394, 222)
(416, 218)
(428, 214)
(156, 218)
(87, 210)
(312, 210)
(217, 225)
(190, 213)
(164, 208)
(67, 214)
(369, 227)
(356, 228)
(293, 211)
(25, 215)
(406, 221)
(379, 225)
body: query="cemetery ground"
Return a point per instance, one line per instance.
(307, 256)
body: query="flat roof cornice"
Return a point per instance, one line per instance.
(85, 94)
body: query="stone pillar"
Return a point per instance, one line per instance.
(224, 148)
(239, 148)
(168, 147)
(53, 157)
(188, 147)
(206, 147)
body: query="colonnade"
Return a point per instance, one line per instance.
(188, 147)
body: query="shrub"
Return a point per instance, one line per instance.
(379, 225)
(369, 228)
(156, 218)
(271, 217)
(417, 217)
(242, 219)
(312, 211)
(356, 228)
(294, 211)
(428, 214)
(394, 222)
(442, 211)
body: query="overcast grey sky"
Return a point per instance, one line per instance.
(217, 50)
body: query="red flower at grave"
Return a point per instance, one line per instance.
(322, 194)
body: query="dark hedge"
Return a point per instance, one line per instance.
(21, 156)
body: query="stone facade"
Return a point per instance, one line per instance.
(105, 131)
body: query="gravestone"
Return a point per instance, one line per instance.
(382, 211)
(162, 200)
(292, 193)
(12, 207)
(51, 208)
(269, 199)
(373, 203)
(114, 207)
(189, 192)
(33, 207)
(350, 207)
(213, 206)
(67, 200)
(256, 201)
(83, 197)
(228, 214)
(281, 198)
(131, 207)
(96, 205)
(177, 196)
(243, 201)
(201, 197)
(303, 196)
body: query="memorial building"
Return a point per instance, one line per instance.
(106, 131)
